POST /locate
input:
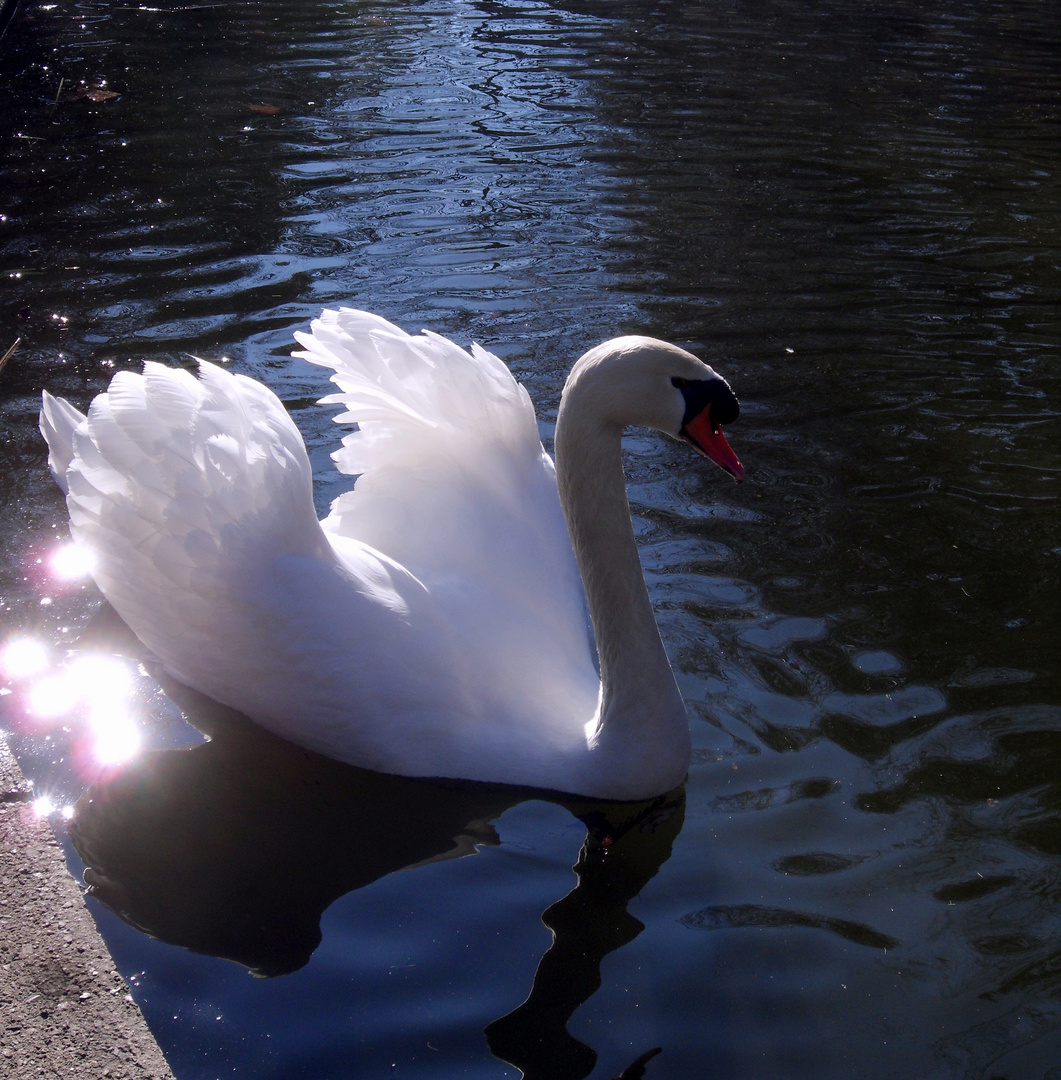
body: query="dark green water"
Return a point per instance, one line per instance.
(854, 212)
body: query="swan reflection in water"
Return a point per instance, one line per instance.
(235, 848)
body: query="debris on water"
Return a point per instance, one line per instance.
(93, 93)
(10, 352)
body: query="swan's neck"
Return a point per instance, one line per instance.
(641, 723)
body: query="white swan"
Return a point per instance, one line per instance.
(434, 624)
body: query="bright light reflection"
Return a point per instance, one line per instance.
(43, 806)
(107, 686)
(101, 680)
(71, 561)
(23, 658)
(103, 686)
(117, 738)
(53, 696)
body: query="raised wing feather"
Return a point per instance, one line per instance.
(178, 486)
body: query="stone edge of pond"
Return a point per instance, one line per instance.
(64, 1008)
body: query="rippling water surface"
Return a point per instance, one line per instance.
(854, 212)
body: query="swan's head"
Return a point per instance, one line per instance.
(643, 382)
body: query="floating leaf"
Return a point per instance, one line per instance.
(93, 93)
(265, 110)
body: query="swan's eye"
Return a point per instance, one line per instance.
(700, 394)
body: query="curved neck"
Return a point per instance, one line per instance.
(641, 713)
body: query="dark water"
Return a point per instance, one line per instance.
(853, 210)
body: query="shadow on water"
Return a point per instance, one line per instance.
(234, 849)
(623, 851)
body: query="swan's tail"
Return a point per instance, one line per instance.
(176, 485)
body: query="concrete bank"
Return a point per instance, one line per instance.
(64, 1009)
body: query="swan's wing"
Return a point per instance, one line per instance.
(443, 437)
(453, 483)
(177, 485)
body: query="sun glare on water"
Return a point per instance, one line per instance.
(97, 690)
(23, 658)
(44, 806)
(71, 562)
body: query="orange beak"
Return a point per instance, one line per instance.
(709, 440)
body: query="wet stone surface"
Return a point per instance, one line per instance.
(64, 1009)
